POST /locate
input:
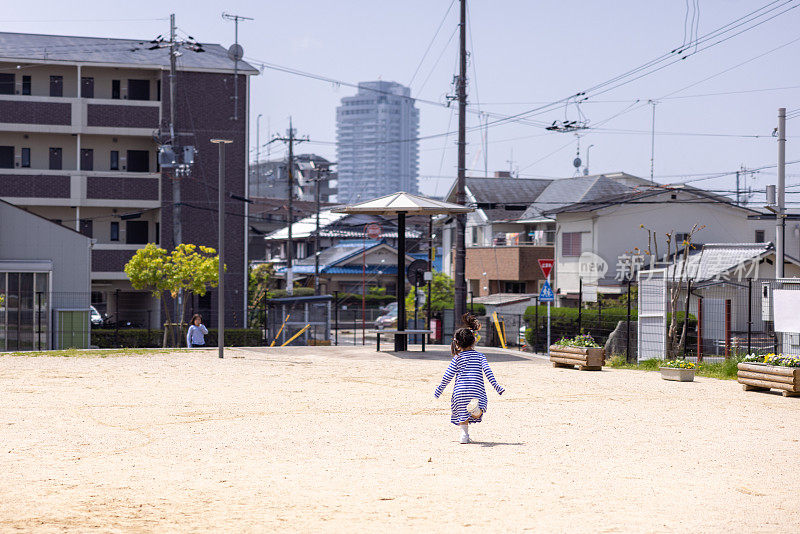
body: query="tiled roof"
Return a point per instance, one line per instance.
(567, 191)
(717, 259)
(505, 193)
(498, 299)
(337, 225)
(22, 46)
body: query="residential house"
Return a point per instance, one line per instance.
(510, 229)
(350, 266)
(618, 227)
(334, 228)
(79, 141)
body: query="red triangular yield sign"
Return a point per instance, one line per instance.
(546, 266)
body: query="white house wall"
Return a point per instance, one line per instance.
(613, 231)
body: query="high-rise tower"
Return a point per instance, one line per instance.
(377, 145)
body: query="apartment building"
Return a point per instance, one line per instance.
(270, 179)
(80, 120)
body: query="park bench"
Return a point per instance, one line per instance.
(401, 333)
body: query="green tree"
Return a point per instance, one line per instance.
(443, 291)
(188, 269)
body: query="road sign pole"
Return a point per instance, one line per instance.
(546, 294)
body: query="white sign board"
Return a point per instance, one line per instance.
(589, 293)
(786, 310)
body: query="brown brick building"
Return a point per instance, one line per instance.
(507, 269)
(79, 139)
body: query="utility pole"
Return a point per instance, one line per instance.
(177, 235)
(461, 197)
(235, 52)
(653, 142)
(258, 149)
(291, 140)
(322, 175)
(780, 227)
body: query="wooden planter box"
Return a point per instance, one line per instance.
(587, 359)
(763, 377)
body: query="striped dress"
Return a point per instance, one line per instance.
(468, 367)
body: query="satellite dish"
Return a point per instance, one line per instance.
(415, 272)
(236, 52)
(577, 162)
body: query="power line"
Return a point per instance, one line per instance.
(428, 49)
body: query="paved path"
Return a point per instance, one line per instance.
(345, 439)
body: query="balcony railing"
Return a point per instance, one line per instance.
(80, 115)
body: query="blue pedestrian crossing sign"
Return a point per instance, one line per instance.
(546, 294)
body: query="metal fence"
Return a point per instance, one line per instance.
(724, 318)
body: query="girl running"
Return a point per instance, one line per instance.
(469, 400)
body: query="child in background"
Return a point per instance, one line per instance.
(194, 337)
(468, 366)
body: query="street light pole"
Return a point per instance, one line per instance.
(221, 246)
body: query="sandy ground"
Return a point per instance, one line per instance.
(344, 439)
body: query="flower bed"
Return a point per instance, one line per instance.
(581, 351)
(773, 371)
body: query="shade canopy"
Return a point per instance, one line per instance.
(402, 202)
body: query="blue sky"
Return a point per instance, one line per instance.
(523, 53)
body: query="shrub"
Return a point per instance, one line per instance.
(139, 337)
(598, 323)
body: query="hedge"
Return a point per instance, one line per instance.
(139, 337)
(564, 323)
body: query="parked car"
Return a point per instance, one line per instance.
(95, 317)
(389, 308)
(388, 320)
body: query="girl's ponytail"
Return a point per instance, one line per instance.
(471, 322)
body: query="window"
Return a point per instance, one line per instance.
(55, 159)
(474, 235)
(759, 236)
(87, 159)
(514, 287)
(114, 231)
(56, 86)
(26, 157)
(571, 244)
(6, 83)
(158, 233)
(6, 157)
(26, 85)
(136, 232)
(87, 227)
(115, 89)
(114, 166)
(138, 89)
(87, 87)
(138, 161)
(680, 237)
